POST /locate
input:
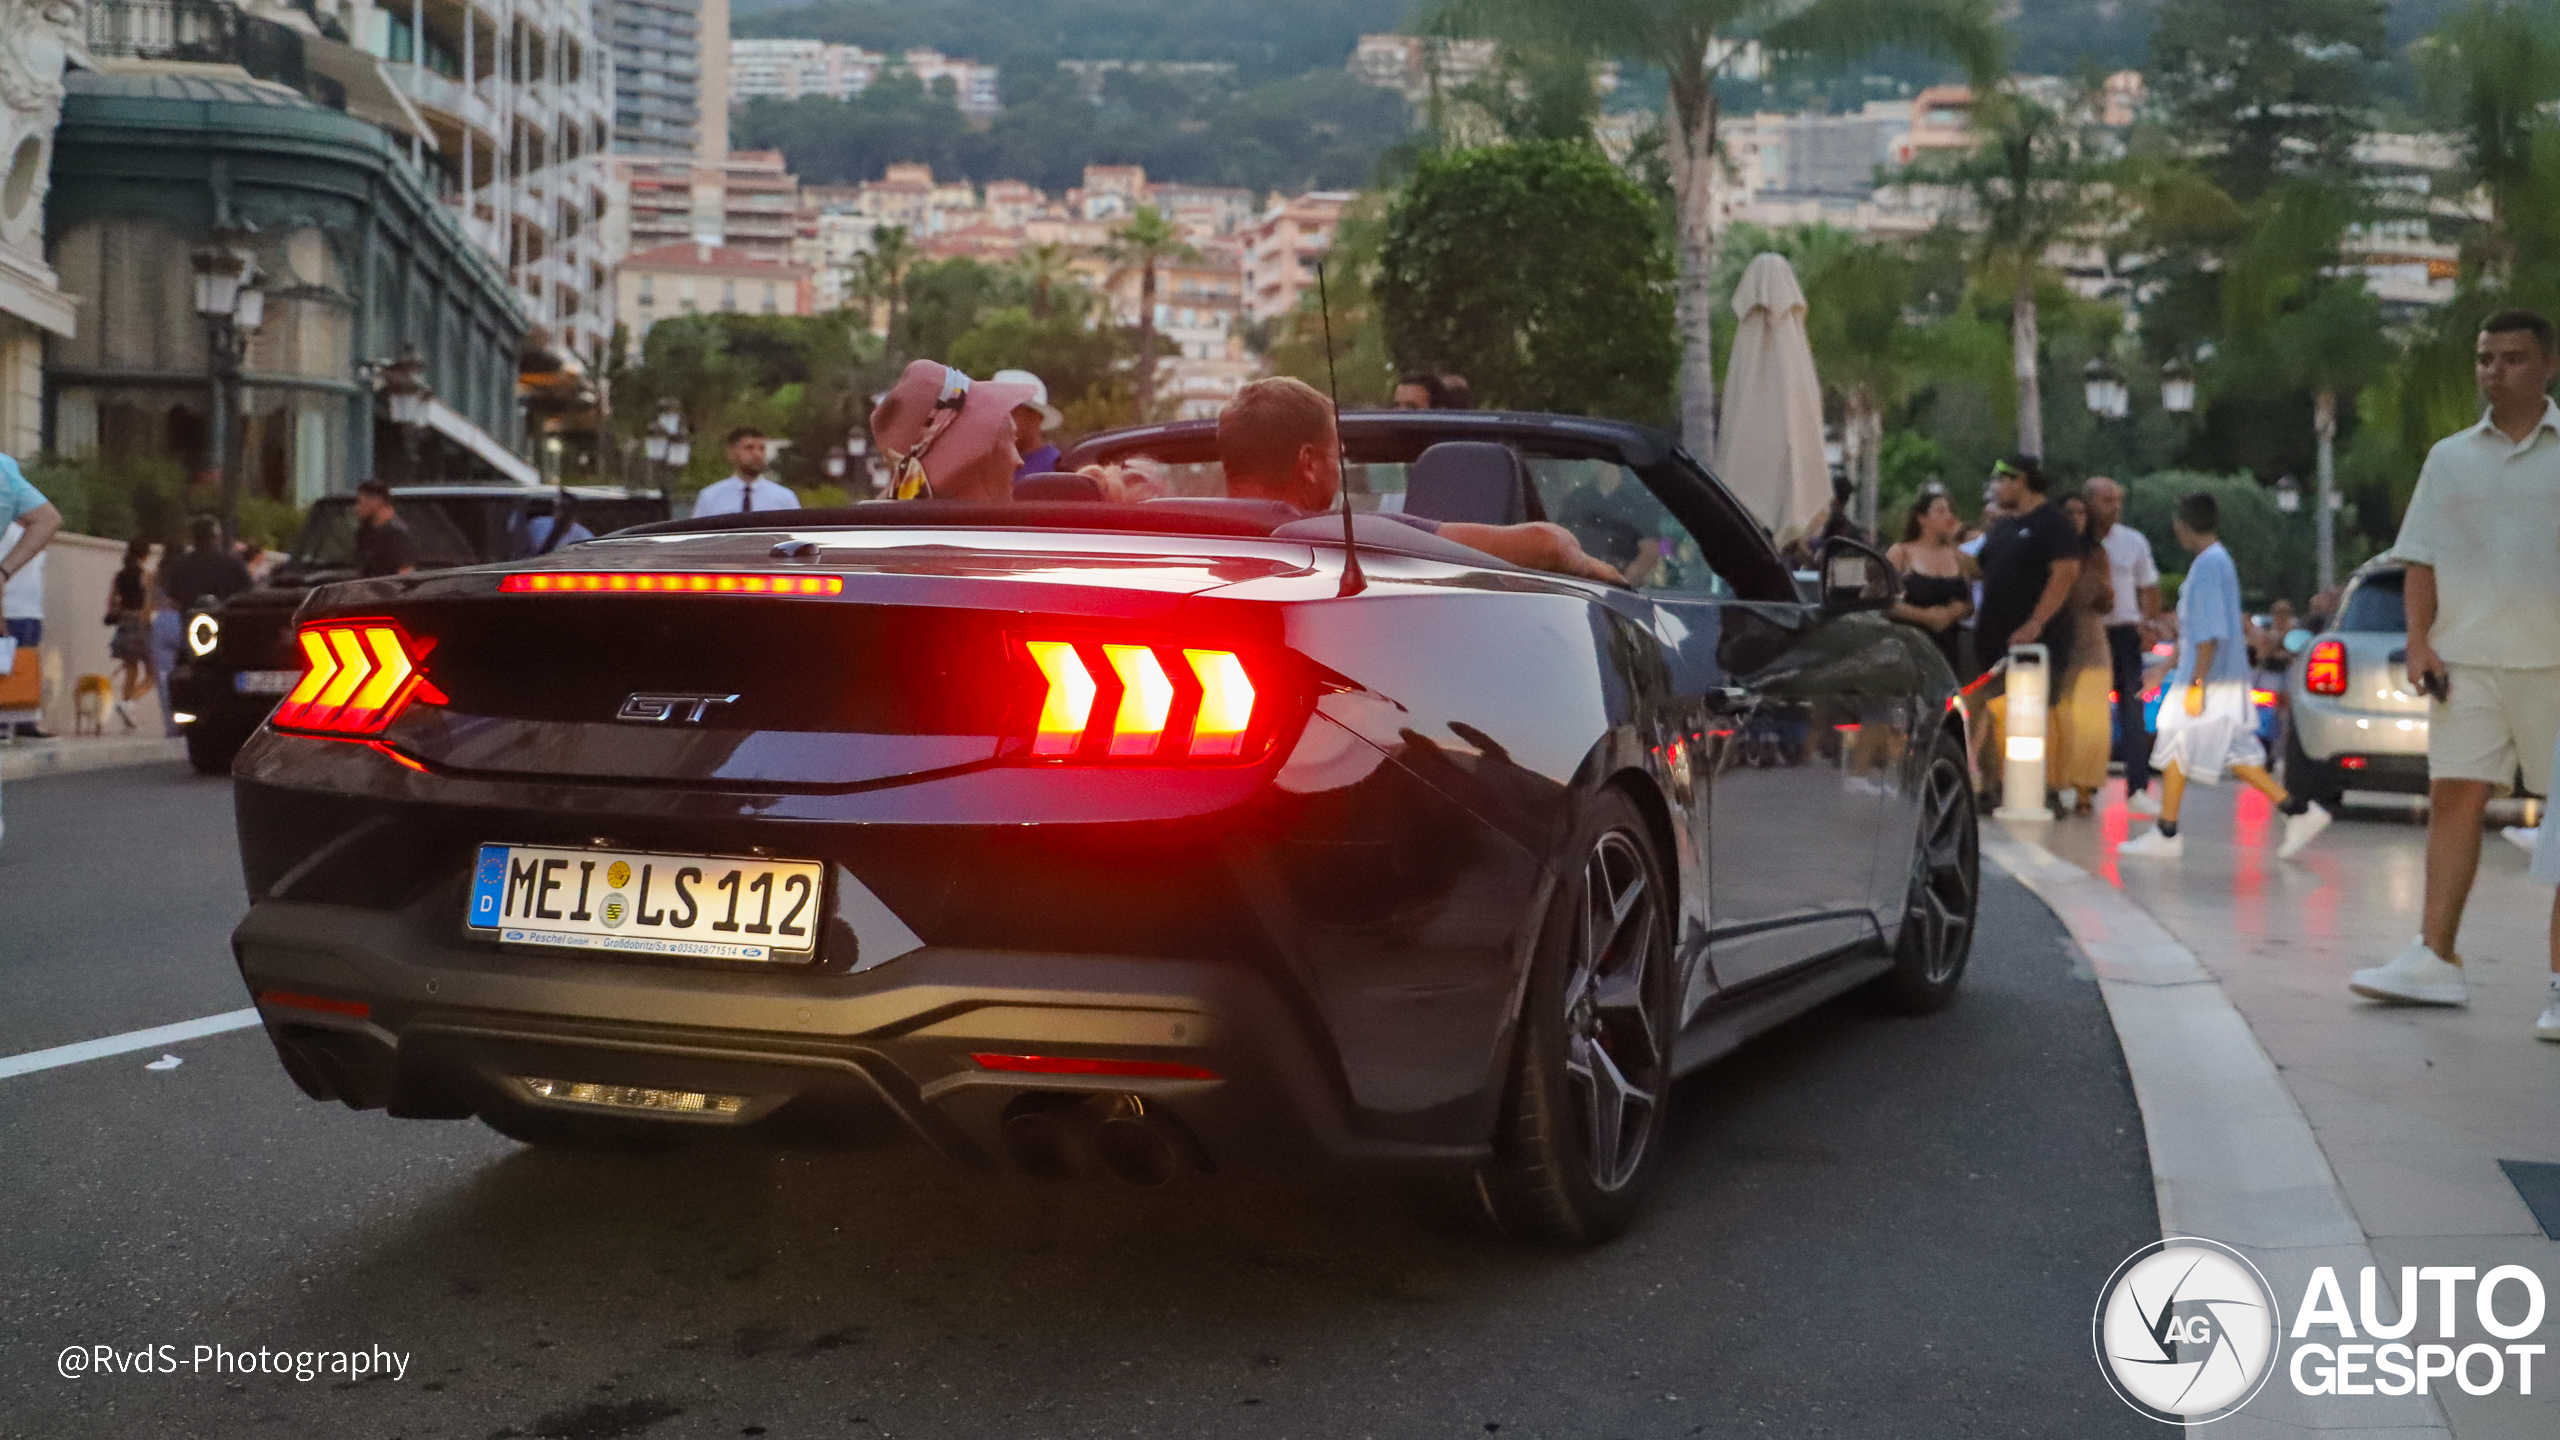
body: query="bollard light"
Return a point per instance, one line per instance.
(2022, 735)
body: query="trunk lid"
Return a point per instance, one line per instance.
(915, 667)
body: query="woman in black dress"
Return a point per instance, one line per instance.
(1937, 578)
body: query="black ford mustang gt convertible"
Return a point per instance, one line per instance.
(1139, 836)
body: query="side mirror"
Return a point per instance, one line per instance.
(1855, 578)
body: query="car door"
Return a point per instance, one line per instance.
(1770, 712)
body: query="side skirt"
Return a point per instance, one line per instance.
(1724, 1025)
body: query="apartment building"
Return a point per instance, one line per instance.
(762, 69)
(1282, 248)
(694, 279)
(670, 76)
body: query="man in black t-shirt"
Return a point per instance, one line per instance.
(384, 545)
(2030, 559)
(207, 568)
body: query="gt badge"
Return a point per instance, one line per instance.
(647, 709)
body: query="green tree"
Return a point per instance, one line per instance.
(880, 275)
(2267, 89)
(2293, 324)
(2492, 76)
(1691, 41)
(1147, 241)
(1539, 272)
(1079, 362)
(2036, 179)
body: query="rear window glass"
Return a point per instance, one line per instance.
(460, 529)
(2375, 604)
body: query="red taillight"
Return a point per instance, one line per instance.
(664, 582)
(357, 676)
(2324, 671)
(2351, 762)
(1081, 1065)
(1132, 701)
(2262, 697)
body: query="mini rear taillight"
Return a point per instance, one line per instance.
(666, 582)
(1129, 701)
(2324, 670)
(357, 676)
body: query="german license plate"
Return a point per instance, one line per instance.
(264, 682)
(703, 906)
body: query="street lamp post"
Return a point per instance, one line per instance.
(2177, 387)
(668, 445)
(405, 390)
(228, 297)
(2105, 392)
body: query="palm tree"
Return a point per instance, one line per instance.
(2293, 322)
(1147, 241)
(881, 275)
(2034, 181)
(1692, 41)
(1044, 266)
(2491, 73)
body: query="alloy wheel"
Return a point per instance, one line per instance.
(1945, 873)
(1615, 1068)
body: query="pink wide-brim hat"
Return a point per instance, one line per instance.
(984, 419)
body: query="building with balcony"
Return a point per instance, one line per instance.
(1282, 249)
(696, 279)
(514, 102)
(670, 76)
(748, 202)
(798, 69)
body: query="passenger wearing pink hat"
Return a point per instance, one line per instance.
(947, 437)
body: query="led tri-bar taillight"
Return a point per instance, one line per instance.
(1128, 701)
(357, 676)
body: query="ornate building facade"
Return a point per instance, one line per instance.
(38, 38)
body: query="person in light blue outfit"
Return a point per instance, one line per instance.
(2206, 726)
(29, 522)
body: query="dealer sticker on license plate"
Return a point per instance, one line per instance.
(702, 906)
(265, 682)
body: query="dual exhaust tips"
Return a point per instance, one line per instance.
(1060, 1137)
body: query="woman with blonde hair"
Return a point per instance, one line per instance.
(2081, 721)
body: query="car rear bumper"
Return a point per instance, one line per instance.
(429, 1030)
(210, 695)
(2361, 749)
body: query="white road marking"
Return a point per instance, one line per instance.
(126, 1043)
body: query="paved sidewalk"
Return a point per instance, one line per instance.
(64, 754)
(2412, 1108)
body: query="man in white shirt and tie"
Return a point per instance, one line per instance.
(746, 489)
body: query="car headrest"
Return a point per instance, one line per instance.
(1057, 485)
(1475, 481)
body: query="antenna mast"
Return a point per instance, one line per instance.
(1353, 581)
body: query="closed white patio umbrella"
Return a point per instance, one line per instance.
(1771, 429)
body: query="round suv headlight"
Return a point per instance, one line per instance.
(203, 634)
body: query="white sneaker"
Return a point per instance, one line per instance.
(2522, 836)
(2548, 1027)
(2142, 802)
(2415, 976)
(2152, 845)
(2301, 830)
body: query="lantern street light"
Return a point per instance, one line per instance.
(2105, 391)
(233, 307)
(668, 443)
(2288, 494)
(2177, 387)
(405, 392)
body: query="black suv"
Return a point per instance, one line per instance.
(239, 658)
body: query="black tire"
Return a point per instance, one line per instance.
(560, 1130)
(1943, 901)
(1592, 1055)
(2310, 779)
(211, 751)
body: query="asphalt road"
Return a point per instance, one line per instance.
(1869, 1226)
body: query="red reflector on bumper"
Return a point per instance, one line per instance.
(2352, 762)
(663, 582)
(290, 1001)
(1081, 1065)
